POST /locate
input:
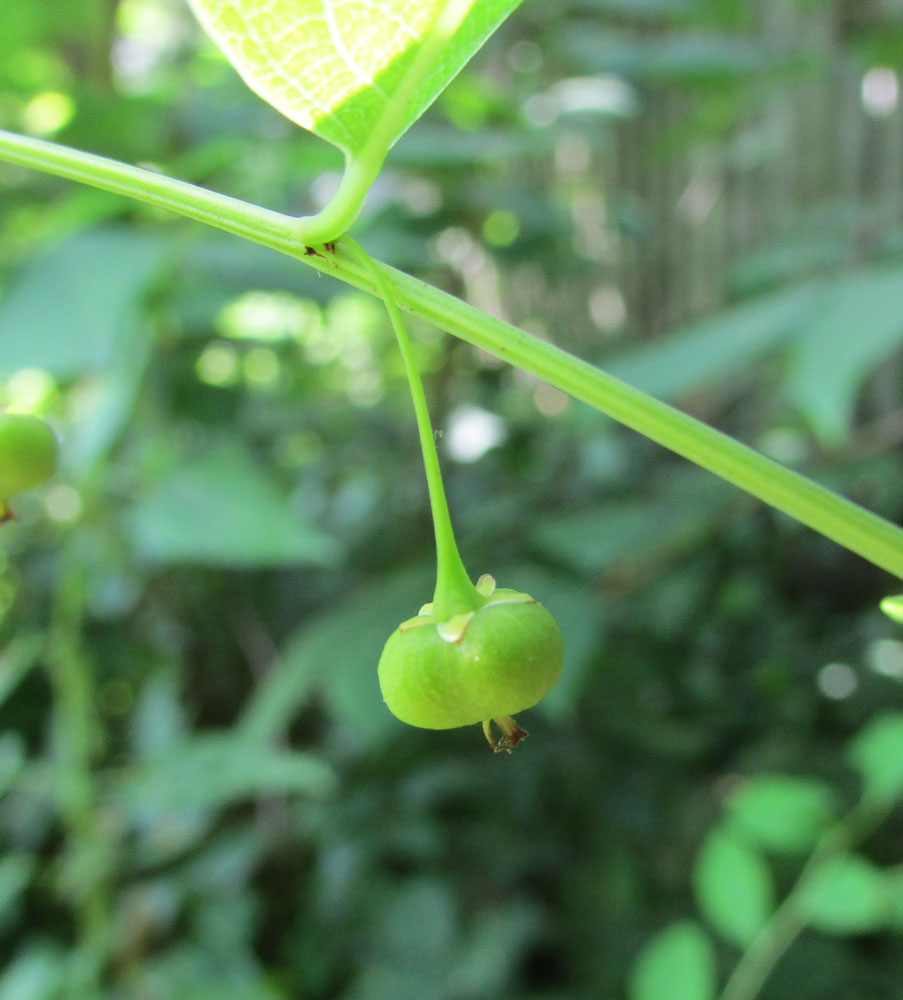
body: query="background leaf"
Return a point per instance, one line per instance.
(220, 508)
(332, 67)
(877, 753)
(848, 895)
(713, 348)
(36, 973)
(677, 964)
(595, 540)
(19, 656)
(782, 813)
(212, 770)
(66, 308)
(733, 886)
(336, 654)
(857, 324)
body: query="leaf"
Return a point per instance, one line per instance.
(36, 973)
(332, 66)
(417, 925)
(733, 886)
(337, 654)
(158, 718)
(66, 310)
(894, 881)
(190, 971)
(781, 813)
(13, 753)
(495, 946)
(16, 660)
(411, 943)
(859, 323)
(877, 753)
(221, 509)
(598, 539)
(677, 964)
(848, 895)
(712, 349)
(213, 770)
(694, 58)
(17, 869)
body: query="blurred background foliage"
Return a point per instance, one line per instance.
(201, 793)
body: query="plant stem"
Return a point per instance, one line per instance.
(454, 593)
(791, 917)
(814, 505)
(844, 522)
(363, 166)
(76, 738)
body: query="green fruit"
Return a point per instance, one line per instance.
(480, 666)
(28, 453)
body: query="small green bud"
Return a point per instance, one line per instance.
(28, 453)
(477, 667)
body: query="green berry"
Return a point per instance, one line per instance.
(478, 666)
(28, 453)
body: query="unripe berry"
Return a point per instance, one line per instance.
(480, 666)
(28, 453)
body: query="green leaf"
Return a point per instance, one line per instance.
(158, 719)
(857, 325)
(708, 351)
(411, 943)
(16, 660)
(677, 964)
(332, 66)
(495, 946)
(781, 813)
(36, 973)
(733, 886)
(848, 895)
(877, 753)
(598, 539)
(894, 884)
(17, 869)
(417, 925)
(12, 759)
(66, 310)
(222, 509)
(191, 971)
(213, 770)
(337, 654)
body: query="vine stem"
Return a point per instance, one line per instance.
(454, 593)
(841, 520)
(791, 917)
(362, 168)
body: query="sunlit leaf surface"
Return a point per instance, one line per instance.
(332, 66)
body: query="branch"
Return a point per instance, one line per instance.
(846, 523)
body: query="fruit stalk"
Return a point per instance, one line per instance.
(454, 593)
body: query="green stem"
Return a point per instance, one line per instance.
(219, 210)
(76, 737)
(363, 167)
(832, 515)
(838, 519)
(791, 917)
(454, 594)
